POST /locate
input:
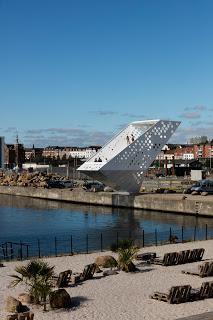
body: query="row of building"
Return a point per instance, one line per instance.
(12, 155)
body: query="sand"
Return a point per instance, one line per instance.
(122, 296)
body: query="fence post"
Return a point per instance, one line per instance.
(87, 244)
(143, 235)
(71, 251)
(11, 251)
(206, 232)
(156, 237)
(55, 246)
(6, 251)
(39, 249)
(170, 234)
(195, 229)
(182, 234)
(101, 242)
(27, 250)
(21, 252)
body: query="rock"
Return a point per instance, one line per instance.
(130, 268)
(204, 193)
(25, 298)
(106, 261)
(13, 305)
(194, 193)
(109, 272)
(60, 299)
(108, 189)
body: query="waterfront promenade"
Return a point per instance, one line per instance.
(178, 203)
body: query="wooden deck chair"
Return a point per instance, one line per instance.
(210, 271)
(200, 253)
(185, 256)
(192, 255)
(21, 316)
(63, 279)
(177, 294)
(206, 290)
(169, 259)
(196, 254)
(201, 271)
(88, 272)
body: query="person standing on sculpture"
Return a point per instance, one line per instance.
(127, 140)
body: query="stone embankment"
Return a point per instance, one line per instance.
(178, 203)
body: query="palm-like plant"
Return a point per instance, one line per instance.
(125, 258)
(38, 277)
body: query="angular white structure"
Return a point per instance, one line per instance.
(122, 162)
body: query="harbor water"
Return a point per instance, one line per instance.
(52, 227)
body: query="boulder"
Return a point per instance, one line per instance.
(204, 193)
(25, 298)
(106, 261)
(13, 305)
(108, 189)
(109, 272)
(60, 299)
(194, 193)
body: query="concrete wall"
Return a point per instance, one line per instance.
(178, 203)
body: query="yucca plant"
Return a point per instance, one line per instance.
(37, 275)
(125, 258)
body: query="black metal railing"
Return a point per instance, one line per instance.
(69, 244)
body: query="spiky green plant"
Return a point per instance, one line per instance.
(125, 258)
(37, 275)
(123, 244)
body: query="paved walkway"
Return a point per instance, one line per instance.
(203, 316)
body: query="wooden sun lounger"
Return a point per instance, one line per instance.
(21, 316)
(169, 259)
(196, 255)
(177, 294)
(63, 279)
(87, 274)
(205, 291)
(183, 256)
(204, 270)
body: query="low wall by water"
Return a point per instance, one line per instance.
(178, 203)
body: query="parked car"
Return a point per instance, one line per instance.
(55, 184)
(67, 183)
(201, 186)
(91, 185)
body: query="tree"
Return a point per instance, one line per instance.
(38, 277)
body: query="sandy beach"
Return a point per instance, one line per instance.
(122, 296)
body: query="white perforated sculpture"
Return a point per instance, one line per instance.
(123, 161)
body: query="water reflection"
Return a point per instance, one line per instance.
(22, 217)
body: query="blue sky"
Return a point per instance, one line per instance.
(73, 72)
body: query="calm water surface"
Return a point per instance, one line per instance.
(25, 218)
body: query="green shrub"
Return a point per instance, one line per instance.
(125, 258)
(122, 244)
(38, 277)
